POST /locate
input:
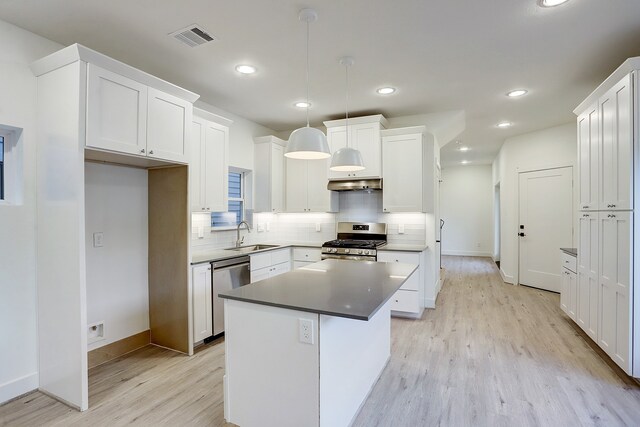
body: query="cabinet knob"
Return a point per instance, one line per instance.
(208, 209)
(585, 215)
(150, 151)
(273, 210)
(142, 151)
(585, 207)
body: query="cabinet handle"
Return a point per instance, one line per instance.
(585, 207)
(209, 269)
(613, 206)
(204, 209)
(208, 209)
(142, 151)
(585, 215)
(273, 210)
(150, 151)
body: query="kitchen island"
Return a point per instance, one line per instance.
(305, 348)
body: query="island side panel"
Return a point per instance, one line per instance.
(271, 377)
(353, 354)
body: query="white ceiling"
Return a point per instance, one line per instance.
(441, 55)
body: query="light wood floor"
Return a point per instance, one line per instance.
(491, 354)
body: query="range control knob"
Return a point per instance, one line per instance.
(346, 251)
(334, 250)
(360, 251)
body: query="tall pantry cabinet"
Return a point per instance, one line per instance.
(608, 153)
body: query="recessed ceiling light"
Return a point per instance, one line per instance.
(463, 148)
(386, 90)
(551, 3)
(504, 124)
(516, 93)
(246, 69)
(464, 162)
(302, 104)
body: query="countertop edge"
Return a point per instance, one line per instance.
(570, 251)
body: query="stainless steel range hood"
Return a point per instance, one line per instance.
(355, 185)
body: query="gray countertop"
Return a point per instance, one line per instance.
(570, 251)
(342, 288)
(220, 254)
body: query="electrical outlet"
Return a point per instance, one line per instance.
(305, 331)
(98, 239)
(95, 332)
(268, 226)
(200, 232)
(400, 228)
(260, 227)
(318, 227)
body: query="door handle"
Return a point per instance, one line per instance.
(521, 234)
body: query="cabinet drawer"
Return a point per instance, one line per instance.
(405, 301)
(300, 264)
(280, 256)
(307, 254)
(412, 282)
(280, 269)
(259, 261)
(569, 262)
(260, 274)
(406, 257)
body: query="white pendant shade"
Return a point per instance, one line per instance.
(307, 143)
(347, 160)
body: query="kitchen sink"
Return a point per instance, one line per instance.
(252, 248)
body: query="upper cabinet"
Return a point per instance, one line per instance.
(306, 187)
(128, 117)
(589, 158)
(408, 170)
(209, 163)
(364, 135)
(269, 174)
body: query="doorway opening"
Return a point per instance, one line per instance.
(496, 224)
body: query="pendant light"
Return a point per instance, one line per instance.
(306, 142)
(347, 159)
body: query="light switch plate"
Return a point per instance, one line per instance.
(98, 239)
(400, 228)
(260, 227)
(318, 227)
(201, 232)
(268, 226)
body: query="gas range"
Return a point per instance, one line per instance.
(356, 241)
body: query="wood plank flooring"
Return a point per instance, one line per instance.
(491, 354)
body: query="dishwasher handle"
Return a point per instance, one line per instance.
(230, 262)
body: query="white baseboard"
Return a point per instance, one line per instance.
(467, 253)
(430, 303)
(505, 277)
(18, 387)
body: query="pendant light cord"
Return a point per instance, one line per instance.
(346, 101)
(307, 73)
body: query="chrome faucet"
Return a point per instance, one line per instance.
(239, 241)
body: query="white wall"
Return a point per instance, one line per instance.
(466, 203)
(18, 312)
(547, 148)
(117, 273)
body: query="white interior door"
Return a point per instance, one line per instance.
(546, 224)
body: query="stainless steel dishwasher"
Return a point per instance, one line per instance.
(227, 274)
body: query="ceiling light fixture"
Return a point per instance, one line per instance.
(347, 159)
(464, 162)
(516, 93)
(503, 125)
(551, 3)
(307, 142)
(302, 104)
(463, 148)
(386, 90)
(246, 69)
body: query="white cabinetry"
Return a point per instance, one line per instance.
(270, 264)
(202, 302)
(305, 256)
(569, 286)
(608, 149)
(128, 117)
(306, 187)
(408, 170)
(208, 167)
(364, 135)
(269, 174)
(408, 301)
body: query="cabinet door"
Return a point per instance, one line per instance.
(573, 295)
(277, 178)
(366, 138)
(168, 126)
(587, 293)
(202, 302)
(589, 158)
(196, 169)
(402, 173)
(116, 112)
(614, 333)
(279, 269)
(616, 118)
(337, 139)
(260, 274)
(319, 199)
(216, 171)
(564, 290)
(296, 188)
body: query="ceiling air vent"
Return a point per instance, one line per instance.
(192, 36)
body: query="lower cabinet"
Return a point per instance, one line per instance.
(202, 302)
(408, 301)
(270, 264)
(305, 256)
(569, 286)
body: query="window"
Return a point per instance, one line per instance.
(236, 204)
(1, 167)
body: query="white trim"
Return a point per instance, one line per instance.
(207, 115)
(506, 278)
(430, 303)
(377, 118)
(17, 387)
(467, 253)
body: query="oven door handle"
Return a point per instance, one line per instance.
(350, 257)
